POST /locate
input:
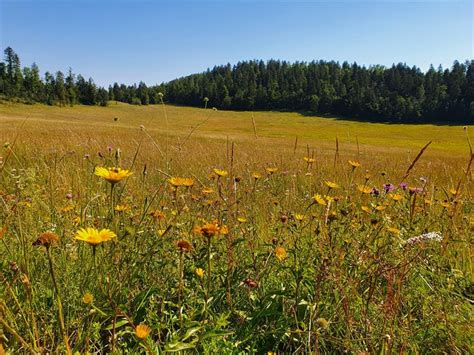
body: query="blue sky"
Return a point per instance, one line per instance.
(155, 41)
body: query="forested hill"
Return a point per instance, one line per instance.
(399, 93)
(396, 94)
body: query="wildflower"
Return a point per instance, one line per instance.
(199, 272)
(331, 185)
(415, 190)
(87, 298)
(242, 219)
(121, 208)
(180, 181)
(364, 189)
(388, 187)
(365, 209)
(453, 192)
(394, 230)
(280, 253)
(142, 331)
(46, 239)
(309, 160)
(93, 236)
(210, 229)
(256, 176)
(112, 175)
(375, 191)
(354, 164)
(271, 171)
(161, 232)
(322, 323)
(380, 207)
(66, 209)
(207, 191)
(184, 246)
(220, 173)
(299, 217)
(431, 236)
(69, 196)
(395, 197)
(319, 200)
(157, 214)
(403, 186)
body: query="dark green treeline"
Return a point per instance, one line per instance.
(396, 94)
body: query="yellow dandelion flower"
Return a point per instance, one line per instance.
(309, 160)
(453, 192)
(112, 175)
(220, 173)
(199, 272)
(93, 236)
(121, 208)
(395, 197)
(180, 181)
(208, 191)
(142, 331)
(354, 164)
(364, 189)
(299, 217)
(256, 176)
(271, 171)
(161, 232)
(87, 298)
(393, 230)
(242, 219)
(331, 185)
(66, 209)
(319, 200)
(280, 253)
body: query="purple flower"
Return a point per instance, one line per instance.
(415, 190)
(388, 187)
(375, 191)
(403, 185)
(69, 196)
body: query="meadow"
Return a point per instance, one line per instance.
(162, 229)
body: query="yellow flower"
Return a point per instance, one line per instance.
(142, 331)
(93, 236)
(199, 272)
(87, 298)
(299, 217)
(220, 173)
(271, 171)
(280, 253)
(210, 229)
(365, 209)
(354, 164)
(180, 181)
(309, 160)
(319, 200)
(66, 209)
(207, 191)
(394, 230)
(112, 175)
(453, 192)
(256, 176)
(380, 208)
(242, 219)
(364, 189)
(331, 185)
(396, 197)
(121, 208)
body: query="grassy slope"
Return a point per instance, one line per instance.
(272, 127)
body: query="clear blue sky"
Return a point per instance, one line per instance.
(155, 41)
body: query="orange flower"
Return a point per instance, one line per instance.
(142, 331)
(280, 253)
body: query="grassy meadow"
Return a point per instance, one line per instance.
(227, 232)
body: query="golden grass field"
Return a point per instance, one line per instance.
(286, 233)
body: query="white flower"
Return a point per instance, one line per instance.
(431, 236)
